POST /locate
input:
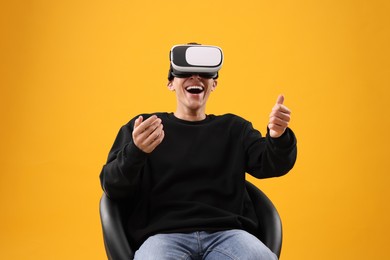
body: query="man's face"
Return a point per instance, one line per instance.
(192, 92)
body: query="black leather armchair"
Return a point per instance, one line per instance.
(118, 247)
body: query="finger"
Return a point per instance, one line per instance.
(158, 140)
(145, 124)
(278, 114)
(149, 121)
(280, 100)
(153, 127)
(281, 108)
(153, 135)
(135, 133)
(278, 125)
(279, 117)
(138, 121)
(153, 143)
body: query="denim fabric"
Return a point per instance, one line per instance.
(222, 245)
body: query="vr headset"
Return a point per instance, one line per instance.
(190, 59)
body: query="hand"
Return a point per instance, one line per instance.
(279, 118)
(148, 134)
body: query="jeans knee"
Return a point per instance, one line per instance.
(161, 246)
(241, 245)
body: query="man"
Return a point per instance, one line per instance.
(185, 171)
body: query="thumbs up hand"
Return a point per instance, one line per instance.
(279, 118)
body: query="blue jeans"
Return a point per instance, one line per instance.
(224, 245)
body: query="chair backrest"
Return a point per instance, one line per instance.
(118, 247)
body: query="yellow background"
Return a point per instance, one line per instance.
(72, 72)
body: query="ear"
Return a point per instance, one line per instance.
(215, 83)
(170, 86)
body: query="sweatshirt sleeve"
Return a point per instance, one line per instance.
(267, 156)
(122, 171)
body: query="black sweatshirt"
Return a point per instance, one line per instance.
(195, 179)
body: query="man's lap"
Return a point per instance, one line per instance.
(229, 244)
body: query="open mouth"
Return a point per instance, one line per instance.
(195, 89)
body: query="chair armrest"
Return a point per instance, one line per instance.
(115, 239)
(270, 225)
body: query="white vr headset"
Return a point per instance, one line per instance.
(190, 59)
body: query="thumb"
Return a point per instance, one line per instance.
(280, 100)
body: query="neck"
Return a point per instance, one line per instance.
(195, 116)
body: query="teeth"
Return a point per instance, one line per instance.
(194, 87)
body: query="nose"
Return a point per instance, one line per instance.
(195, 76)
